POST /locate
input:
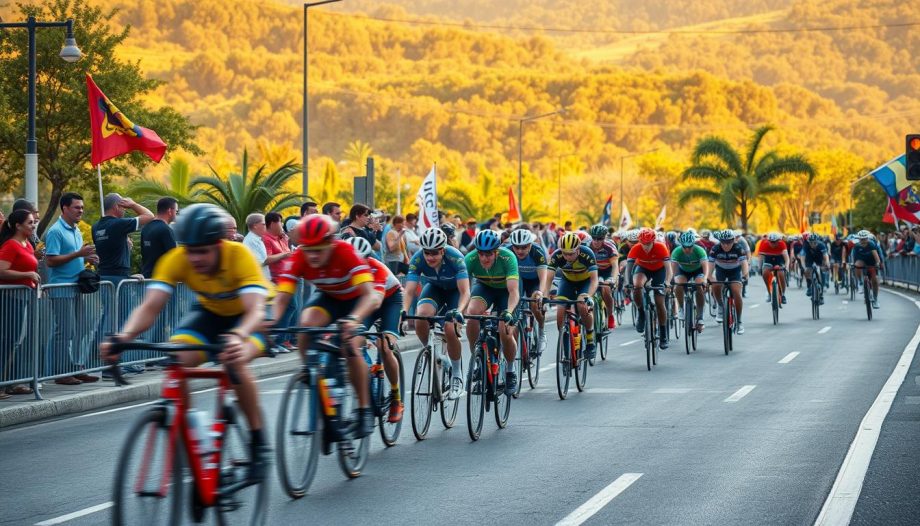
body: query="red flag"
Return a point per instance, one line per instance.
(514, 215)
(902, 213)
(114, 134)
(888, 216)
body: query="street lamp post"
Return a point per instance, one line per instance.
(305, 185)
(623, 158)
(69, 53)
(521, 122)
(559, 159)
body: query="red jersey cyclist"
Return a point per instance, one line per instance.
(648, 260)
(774, 255)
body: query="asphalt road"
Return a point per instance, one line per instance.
(756, 437)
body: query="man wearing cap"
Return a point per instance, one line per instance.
(110, 235)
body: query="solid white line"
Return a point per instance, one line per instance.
(846, 302)
(672, 390)
(630, 342)
(824, 330)
(76, 514)
(548, 367)
(740, 393)
(789, 357)
(595, 503)
(754, 306)
(841, 501)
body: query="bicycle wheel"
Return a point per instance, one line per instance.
(689, 322)
(563, 367)
(148, 464)
(476, 399)
(634, 311)
(352, 451)
(581, 369)
(448, 407)
(652, 318)
(775, 300)
(649, 337)
(422, 394)
(298, 435)
(602, 346)
(389, 431)
(239, 503)
(852, 286)
(519, 360)
(867, 294)
(727, 328)
(533, 370)
(815, 298)
(502, 406)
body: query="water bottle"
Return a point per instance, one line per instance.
(200, 426)
(330, 389)
(576, 338)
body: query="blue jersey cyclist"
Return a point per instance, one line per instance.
(728, 262)
(607, 256)
(447, 289)
(578, 282)
(533, 270)
(813, 252)
(867, 256)
(495, 270)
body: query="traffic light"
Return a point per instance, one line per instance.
(913, 157)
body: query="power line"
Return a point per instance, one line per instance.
(463, 25)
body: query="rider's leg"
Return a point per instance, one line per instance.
(425, 308)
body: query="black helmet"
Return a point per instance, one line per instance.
(201, 224)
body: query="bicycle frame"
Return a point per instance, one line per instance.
(490, 342)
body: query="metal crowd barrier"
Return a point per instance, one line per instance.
(17, 361)
(903, 271)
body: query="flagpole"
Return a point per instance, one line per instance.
(101, 198)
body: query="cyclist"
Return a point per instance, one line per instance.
(774, 255)
(705, 240)
(447, 288)
(389, 315)
(866, 255)
(496, 271)
(728, 263)
(607, 256)
(813, 252)
(795, 246)
(690, 262)
(345, 294)
(230, 292)
(839, 249)
(534, 275)
(649, 260)
(579, 280)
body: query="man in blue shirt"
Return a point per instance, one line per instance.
(65, 253)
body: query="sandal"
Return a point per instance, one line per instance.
(19, 390)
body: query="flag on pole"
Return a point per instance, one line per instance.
(114, 134)
(892, 176)
(625, 219)
(514, 215)
(834, 229)
(802, 224)
(903, 211)
(888, 216)
(427, 201)
(605, 215)
(659, 222)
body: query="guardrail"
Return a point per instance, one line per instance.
(902, 271)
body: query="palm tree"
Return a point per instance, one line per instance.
(357, 153)
(241, 194)
(148, 191)
(740, 185)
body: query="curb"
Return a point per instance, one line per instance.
(140, 390)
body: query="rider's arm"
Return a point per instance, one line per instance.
(514, 294)
(592, 286)
(145, 314)
(253, 314)
(878, 260)
(409, 294)
(463, 285)
(545, 280)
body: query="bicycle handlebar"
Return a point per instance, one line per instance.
(119, 347)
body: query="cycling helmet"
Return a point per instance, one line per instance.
(725, 235)
(486, 240)
(619, 234)
(813, 238)
(598, 231)
(314, 229)
(449, 230)
(521, 237)
(583, 236)
(863, 234)
(805, 236)
(737, 233)
(632, 236)
(773, 237)
(671, 237)
(570, 241)
(362, 246)
(201, 224)
(647, 235)
(433, 239)
(687, 239)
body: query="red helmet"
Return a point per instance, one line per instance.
(647, 235)
(313, 230)
(583, 236)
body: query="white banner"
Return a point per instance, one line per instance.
(625, 219)
(660, 221)
(427, 201)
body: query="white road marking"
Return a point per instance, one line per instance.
(595, 503)
(671, 390)
(754, 306)
(548, 367)
(740, 393)
(76, 514)
(789, 357)
(841, 501)
(845, 302)
(630, 342)
(824, 330)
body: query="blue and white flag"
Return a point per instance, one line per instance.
(605, 215)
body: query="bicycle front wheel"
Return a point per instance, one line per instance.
(533, 369)
(353, 452)
(421, 394)
(563, 365)
(867, 294)
(689, 323)
(389, 431)
(476, 398)
(148, 479)
(775, 300)
(581, 367)
(241, 502)
(298, 436)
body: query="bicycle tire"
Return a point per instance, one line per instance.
(502, 401)
(422, 393)
(135, 444)
(867, 294)
(448, 407)
(726, 328)
(649, 337)
(689, 321)
(602, 346)
(563, 368)
(389, 432)
(533, 369)
(634, 311)
(522, 345)
(775, 300)
(352, 453)
(235, 459)
(652, 316)
(288, 435)
(476, 398)
(581, 371)
(853, 285)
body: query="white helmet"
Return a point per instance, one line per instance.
(632, 236)
(863, 234)
(521, 237)
(433, 239)
(773, 237)
(362, 246)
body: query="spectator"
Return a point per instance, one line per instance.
(18, 266)
(568, 226)
(395, 254)
(290, 230)
(158, 238)
(233, 233)
(359, 219)
(37, 245)
(333, 210)
(412, 235)
(467, 236)
(255, 224)
(65, 255)
(308, 208)
(277, 246)
(110, 235)
(2, 217)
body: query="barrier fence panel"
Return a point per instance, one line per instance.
(904, 270)
(17, 360)
(129, 295)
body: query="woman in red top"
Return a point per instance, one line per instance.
(18, 266)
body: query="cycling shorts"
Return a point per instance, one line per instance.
(604, 273)
(809, 261)
(495, 298)
(570, 290)
(866, 262)
(529, 286)
(333, 308)
(728, 274)
(203, 326)
(773, 261)
(691, 275)
(442, 299)
(388, 314)
(657, 277)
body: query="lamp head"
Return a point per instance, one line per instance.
(70, 52)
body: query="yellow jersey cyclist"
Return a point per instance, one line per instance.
(495, 270)
(447, 289)
(578, 282)
(607, 256)
(230, 292)
(534, 276)
(690, 264)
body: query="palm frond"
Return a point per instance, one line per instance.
(707, 172)
(702, 194)
(754, 145)
(721, 150)
(796, 164)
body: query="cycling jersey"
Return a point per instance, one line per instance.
(605, 254)
(689, 262)
(837, 251)
(653, 259)
(340, 278)
(444, 277)
(727, 259)
(534, 260)
(772, 249)
(815, 252)
(218, 293)
(384, 280)
(864, 253)
(624, 250)
(503, 268)
(578, 270)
